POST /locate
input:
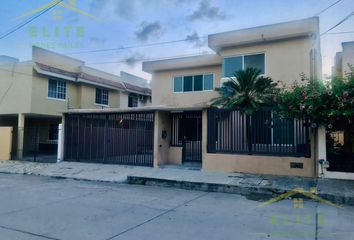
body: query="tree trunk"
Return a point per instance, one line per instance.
(248, 134)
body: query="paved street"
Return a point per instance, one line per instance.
(33, 207)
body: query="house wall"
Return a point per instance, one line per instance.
(257, 164)
(284, 60)
(11, 121)
(41, 104)
(337, 69)
(162, 88)
(123, 99)
(15, 87)
(87, 97)
(57, 60)
(348, 56)
(5, 143)
(175, 155)
(161, 145)
(78, 96)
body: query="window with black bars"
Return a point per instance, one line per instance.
(101, 96)
(133, 100)
(56, 89)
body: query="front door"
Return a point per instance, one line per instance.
(191, 136)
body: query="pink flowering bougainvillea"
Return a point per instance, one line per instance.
(321, 103)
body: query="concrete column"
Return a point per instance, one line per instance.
(204, 135)
(156, 140)
(61, 139)
(321, 148)
(20, 135)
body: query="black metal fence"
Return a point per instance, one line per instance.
(262, 133)
(119, 138)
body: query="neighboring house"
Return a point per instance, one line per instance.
(34, 94)
(138, 92)
(342, 59)
(180, 127)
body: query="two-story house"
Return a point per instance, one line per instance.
(342, 59)
(35, 93)
(185, 128)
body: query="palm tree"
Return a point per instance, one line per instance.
(247, 90)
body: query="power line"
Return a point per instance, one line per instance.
(334, 33)
(149, 59)
(138, 46)
(29, 20)
(325, 9)
(339, 23)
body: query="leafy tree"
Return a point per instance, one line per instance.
(248, 90)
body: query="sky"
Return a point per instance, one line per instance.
(117, 35)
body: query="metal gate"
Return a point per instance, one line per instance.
(41, 143)
(187, 133)
(340, 146)
(117, 138)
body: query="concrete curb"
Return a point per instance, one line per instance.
(66, 177)
(250, 192)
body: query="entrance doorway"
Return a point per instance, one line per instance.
(340, 147)
(187, 133)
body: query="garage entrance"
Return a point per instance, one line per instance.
(115, 138)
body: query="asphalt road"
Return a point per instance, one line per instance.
(46, 208)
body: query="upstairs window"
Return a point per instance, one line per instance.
(56, 89)
(101, 96)
(232, 64)
(133, 100)
(193, 83)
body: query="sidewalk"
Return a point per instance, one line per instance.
(251, 186)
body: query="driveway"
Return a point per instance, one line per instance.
(33, 207)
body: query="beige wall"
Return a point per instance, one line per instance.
(16, 87)
(5, 143)
(26, 92)
(175, 155)
(257, 164)
(348, 56)
(162, 88)
(163, 152)
(50, 58)
(161, 145)
(78, 96)
(284, 61)
(41, 104)
(123, 99)
(87, 97)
